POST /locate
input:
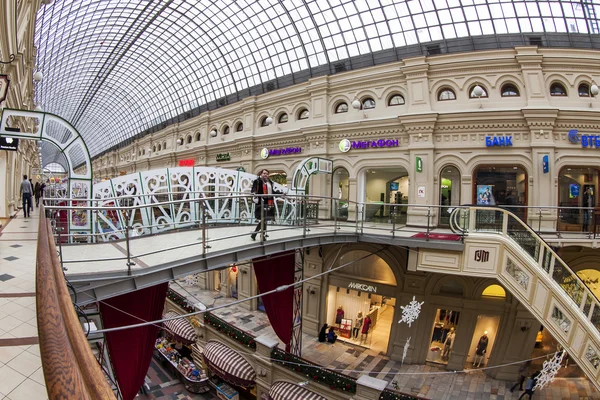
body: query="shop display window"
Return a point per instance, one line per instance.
(577, 199)
(503, 186)
(449, 193)
(443, 335)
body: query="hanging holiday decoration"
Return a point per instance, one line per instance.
(405, 349)
(411, 312)
(549, 371)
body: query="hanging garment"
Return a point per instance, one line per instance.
(482, 346)
(366, 325)
(339, 315)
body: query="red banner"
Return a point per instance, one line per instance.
(186, 163)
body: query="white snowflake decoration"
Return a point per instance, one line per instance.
(405, 349)
(411, 312)
(549, 371)
(191, 280)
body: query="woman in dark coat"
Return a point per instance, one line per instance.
(323, 333)
(263, 204)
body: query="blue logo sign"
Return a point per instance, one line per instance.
(573, 136)
(498, 141)
(545, 164)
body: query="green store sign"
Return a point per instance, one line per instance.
(223, 157)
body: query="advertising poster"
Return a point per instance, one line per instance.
(485, 196)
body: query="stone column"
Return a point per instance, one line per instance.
(263, 365)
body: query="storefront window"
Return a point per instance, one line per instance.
(384, 187)
(443, 336)
(577, 198)
(502, 186)
(449, 193)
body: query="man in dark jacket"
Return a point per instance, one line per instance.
(264, 202)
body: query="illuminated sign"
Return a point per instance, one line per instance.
(186, 163)
(265, 153)
(491, 141)
(9, 144)
(362, 287)
(223, 157)
(585, 140)
(345, 145)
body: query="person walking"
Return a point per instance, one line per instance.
(36, 193)
(26, 192)
(530, 384)
(263, 191)
(588, 212)
(522, 375)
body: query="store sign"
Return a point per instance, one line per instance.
(9, 144)
(419, 164)
(545, 164)
(265, 153)
(482, 256)
(345, 145)
(186, 163)
(362, 287)
(223, 157)
(491, 141)
(585, 140)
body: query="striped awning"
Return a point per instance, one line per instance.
(282, 390)
(228, 364)
(180, 328)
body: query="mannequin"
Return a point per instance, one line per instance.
(339, 315)
(357, 324)
(448, 343)
(365, 328)
(481, 349)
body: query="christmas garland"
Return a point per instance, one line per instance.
(227, 329)
(390, 395)
(334, 380)
(180, 300)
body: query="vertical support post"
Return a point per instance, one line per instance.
(539, 220)
(204, 229)
(305, 212)
(127, 227)
(263, 223)
(296, 342)
(428, 221)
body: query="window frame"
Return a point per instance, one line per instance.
(340, 104)
(392, 97)
(301, 114)
(443, 90)
(503, 90)
(559, 85)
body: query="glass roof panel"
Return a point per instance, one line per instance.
(115, 69)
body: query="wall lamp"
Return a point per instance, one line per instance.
(38, 76)
(525, 326)
(180, 141)
(356, 104)
(213, 133)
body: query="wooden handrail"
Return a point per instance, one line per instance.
(70, 369)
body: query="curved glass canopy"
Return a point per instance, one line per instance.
(117, 69)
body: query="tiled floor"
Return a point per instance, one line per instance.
(418, 380)
(21, 375)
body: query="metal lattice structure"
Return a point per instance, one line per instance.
(296, 341)
(119, 69)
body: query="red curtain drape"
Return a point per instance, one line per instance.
(131, 349)
(270, 274)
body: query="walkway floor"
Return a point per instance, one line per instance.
(21, 375)
(354, 360)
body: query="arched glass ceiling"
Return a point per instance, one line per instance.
(114, 69)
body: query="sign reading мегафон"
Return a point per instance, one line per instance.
(265, 153)
(346, 145)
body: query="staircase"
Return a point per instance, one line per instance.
(500, 245)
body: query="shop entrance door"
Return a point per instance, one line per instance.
(443, 335)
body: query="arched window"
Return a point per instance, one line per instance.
(449, 194)
(584, 90)
(154, 149)
(368, 103)
(197, 137)
(452, 287)
(239, 127)
(494, 291)
(159, 147)
(557, 89)
(226, 130)
(263, 122)
(303, 114)
(473, 94)
(283, 118)
(188, 139)
(396, 100)
(509, 90)
(341, 108)
(446, 94)
(164, 145)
